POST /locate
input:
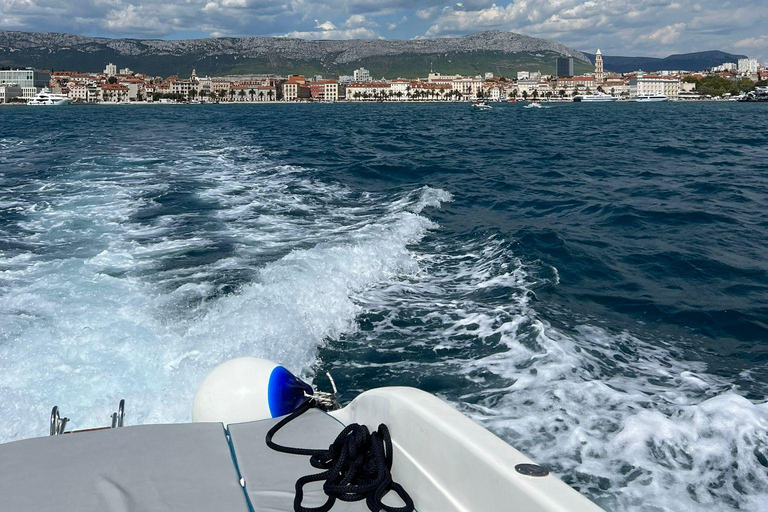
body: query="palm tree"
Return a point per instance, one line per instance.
(562, 93)
(270, 94)
(535, 94)
(193, 93)
(241, 94)
(525, 95)
(251, 93)
(549, 94)
(222, 94)
(261, 95)
(357, 95)
(399, 95)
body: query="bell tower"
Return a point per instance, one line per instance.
(599, 74)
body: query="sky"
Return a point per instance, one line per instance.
(617, 27)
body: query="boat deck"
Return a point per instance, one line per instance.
(193, 467)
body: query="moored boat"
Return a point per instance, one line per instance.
(592, 98)
(650, 98)
(481, 105)
(46, 97)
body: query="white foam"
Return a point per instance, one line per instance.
(109, 308)
(626, 421)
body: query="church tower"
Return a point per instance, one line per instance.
(599, 74)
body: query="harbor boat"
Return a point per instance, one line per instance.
(260, 439)
(592, 98)
(481, 105)
(650, 98)
(759, 94)
(46, 97)
(534, 104)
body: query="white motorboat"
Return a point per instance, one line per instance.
(592, 98)
(650, 98)
(534, 104)
(481, 105)
(46, 97)
(254, 428)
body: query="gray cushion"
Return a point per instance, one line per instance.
(270, 476)
(148, 468)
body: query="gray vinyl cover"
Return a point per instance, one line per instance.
(148, 468)
(270, 477)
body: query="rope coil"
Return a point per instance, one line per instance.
(357, 467)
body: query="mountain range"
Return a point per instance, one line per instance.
(503, 53)
(696, 61)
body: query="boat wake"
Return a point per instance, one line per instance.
(132, 278)
(125, 276)
(630, 423)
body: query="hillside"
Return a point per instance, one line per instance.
(496, 51)
(686, 61)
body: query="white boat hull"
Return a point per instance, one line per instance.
(452, 464)
(651, 99)
(54, 103)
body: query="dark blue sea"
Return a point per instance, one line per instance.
(588, 281)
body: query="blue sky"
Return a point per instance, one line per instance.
(618, 27)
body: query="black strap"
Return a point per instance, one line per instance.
(357, 467)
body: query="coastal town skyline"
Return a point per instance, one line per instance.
(645, 28)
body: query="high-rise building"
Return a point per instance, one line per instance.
(599, 73)
(30, 80)
(746, 66)
(362, 75)
(110, 70)
(564, 66)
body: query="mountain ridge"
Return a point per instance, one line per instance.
(497, 51)
(274, 54)
(694, 61)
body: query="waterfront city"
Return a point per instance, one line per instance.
(729, 80)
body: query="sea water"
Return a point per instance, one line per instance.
(590, 282)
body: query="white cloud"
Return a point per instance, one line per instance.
(752, 42)
(628, 27)
(425, 14)
(358, 20)
(326, 25)
(665, 35)
(335, 34)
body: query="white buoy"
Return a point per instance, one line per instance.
(248, 389)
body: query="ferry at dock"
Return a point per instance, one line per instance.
(650, 98)
(591, 98)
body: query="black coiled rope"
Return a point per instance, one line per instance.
(357, 467)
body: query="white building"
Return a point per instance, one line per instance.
(654, 85)
(468, 87)
(31, 81)
(725, 66)
(110, 70)
(9, 92)
(126, 71)
(182, 87)
(747, 66)
(362, 75)
(523, 75)
(401, 86)
(367, 90)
